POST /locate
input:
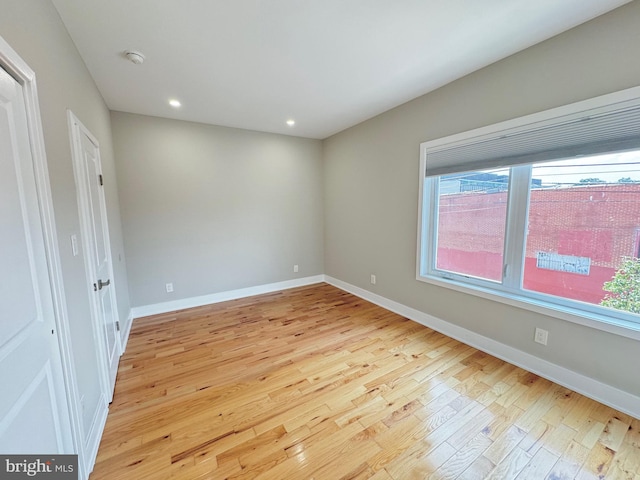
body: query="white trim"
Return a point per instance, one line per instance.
(126, 332)
(53, 399)
(76, 129)
(611, 325)
(76, 132)
(191, 302)
(44, 375)
(601, 392)
(13, 63)
(617, 323)
(95, 433)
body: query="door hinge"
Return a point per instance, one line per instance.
(117, 326)
(100, 179)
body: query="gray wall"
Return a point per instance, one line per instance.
(371, 187)
(34, 29)
(212, 209)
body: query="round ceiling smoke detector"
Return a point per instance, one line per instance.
(134, 57)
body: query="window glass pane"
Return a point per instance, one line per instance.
(583, 227)
(472, 212)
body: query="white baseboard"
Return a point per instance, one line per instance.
(601, 392)
(165, 307)
(124, 339)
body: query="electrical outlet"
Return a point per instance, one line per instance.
(541, 336)
(169, 287)
(373, 279)
(295, 269)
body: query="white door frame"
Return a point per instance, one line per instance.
(13, 63)
(76, 129)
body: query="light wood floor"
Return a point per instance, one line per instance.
(314, 383)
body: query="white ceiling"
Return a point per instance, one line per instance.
(328, 64)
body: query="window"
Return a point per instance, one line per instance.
(471, 221)
(541, 211)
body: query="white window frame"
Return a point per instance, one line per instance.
(508, 291)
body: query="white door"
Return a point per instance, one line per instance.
(34, 416)
(95, 232)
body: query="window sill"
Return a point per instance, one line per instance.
(604, 323)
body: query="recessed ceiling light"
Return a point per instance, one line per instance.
(174, 103)
(291, 123)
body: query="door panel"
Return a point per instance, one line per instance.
(30, 363)
(16, 253)
(30, 427)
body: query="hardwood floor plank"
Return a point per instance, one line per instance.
(539, 466)
(568, 466)
(462, 459)
(315, 383)
(419, 467)
(614, 433)
(504, 444)
(597, 463)
(511, 465)
(478, 470)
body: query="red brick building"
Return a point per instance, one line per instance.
(594, 226)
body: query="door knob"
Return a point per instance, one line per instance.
(103, 284)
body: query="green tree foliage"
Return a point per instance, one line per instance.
(591, 181)
(624, 287)
(627, 180)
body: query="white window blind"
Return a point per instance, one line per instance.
(609, 129)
